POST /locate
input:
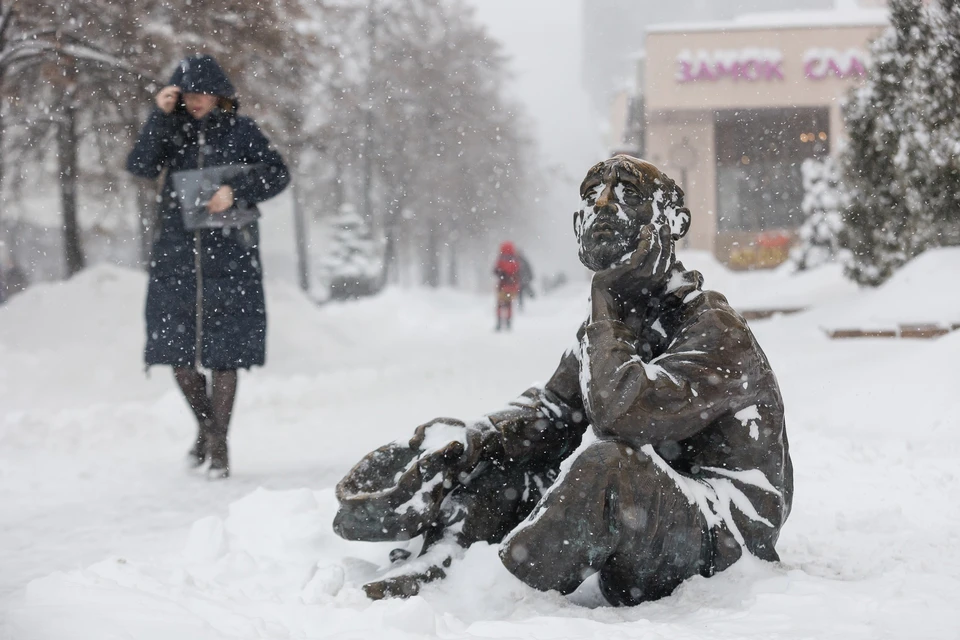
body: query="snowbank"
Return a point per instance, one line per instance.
(771, 289)
(273, 568)
(104, 535)
(916, 294)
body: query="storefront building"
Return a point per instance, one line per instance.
(732, 109)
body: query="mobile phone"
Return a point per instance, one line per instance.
(181, 106)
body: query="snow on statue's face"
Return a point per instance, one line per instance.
(619, 197)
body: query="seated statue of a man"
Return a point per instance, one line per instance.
(657, 450)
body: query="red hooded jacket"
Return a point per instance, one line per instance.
(507, 269)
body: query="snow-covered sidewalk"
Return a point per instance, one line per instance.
(104, 534)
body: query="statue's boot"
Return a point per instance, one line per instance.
(485, 509)
(440, 548)
(405, 585)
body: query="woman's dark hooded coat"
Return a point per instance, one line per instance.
(225, 263)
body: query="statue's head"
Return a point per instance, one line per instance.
(620, 196)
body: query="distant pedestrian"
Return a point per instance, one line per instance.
(205, 305)
(526, 280)
(507, 271)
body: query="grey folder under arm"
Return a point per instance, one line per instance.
(195, 188)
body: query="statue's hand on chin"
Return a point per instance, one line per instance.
(635, 275)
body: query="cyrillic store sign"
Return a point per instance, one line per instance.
(752, 65)
(825, 63)
(765, 65)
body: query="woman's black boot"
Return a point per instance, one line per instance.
(198, 452)
(218, 456)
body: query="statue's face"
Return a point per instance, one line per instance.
(616, 204)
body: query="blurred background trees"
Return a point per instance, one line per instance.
(823, 207)
(352, 262)
(395, 107)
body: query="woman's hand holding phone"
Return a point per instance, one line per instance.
(167, 99)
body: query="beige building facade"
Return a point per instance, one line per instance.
(731, 110)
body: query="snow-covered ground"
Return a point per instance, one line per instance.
(103, 534)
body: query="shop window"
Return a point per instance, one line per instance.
(759, 153)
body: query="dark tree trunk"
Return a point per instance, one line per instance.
(147, 209)
(67, 160)
(2, 199)
(453, 275)
(300, 233)
(6, 15)
(339, 197)
(431, 259)
(390, 271)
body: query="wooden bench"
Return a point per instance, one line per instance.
(760, 314)
(925, 331)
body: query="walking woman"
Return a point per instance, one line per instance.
(205, 307)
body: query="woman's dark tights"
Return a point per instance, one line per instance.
(212, 411)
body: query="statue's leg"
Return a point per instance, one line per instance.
(494, 502)
(664, 539)
(614, 512)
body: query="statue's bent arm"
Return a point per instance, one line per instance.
(544, 423)
(671, 397)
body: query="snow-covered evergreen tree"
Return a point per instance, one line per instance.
(823, 206)
(930, 145)
(353, 268)
(877, 212)
(901, 173)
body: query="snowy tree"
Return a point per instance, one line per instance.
(420, 85)
(394, 105)
(58, 80)
(823, 206)
(92, 67)
(929, 154)
(352, 266)
(900, 167)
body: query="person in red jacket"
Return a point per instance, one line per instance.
(507, 271)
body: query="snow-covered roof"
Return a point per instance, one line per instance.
(845, 17)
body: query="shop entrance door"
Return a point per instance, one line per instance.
(759, 184)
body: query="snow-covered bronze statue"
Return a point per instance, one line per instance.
(657, 450)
